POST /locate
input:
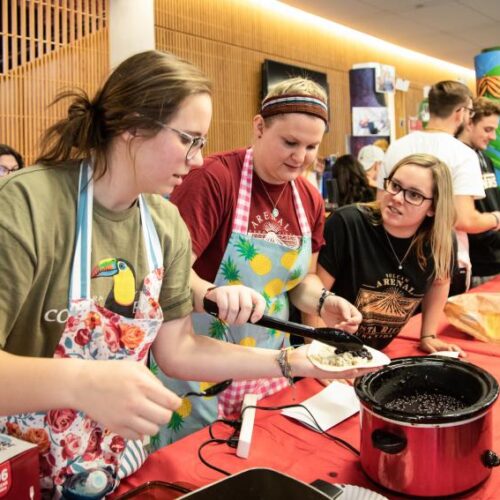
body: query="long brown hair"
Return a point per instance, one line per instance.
(352, 181)
(436, 230)
(144, 91)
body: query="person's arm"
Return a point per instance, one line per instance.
(183, 355)
(432, 308)
(472, 221)
(124, 396)
(328, 280)
(336, 312)
(237, 303)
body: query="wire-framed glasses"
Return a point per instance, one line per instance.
(410, 195)
(7, 171)
(194, 143)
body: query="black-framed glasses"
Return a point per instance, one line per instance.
(194, 143)
(410, 195)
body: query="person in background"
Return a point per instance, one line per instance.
(383, 144)
(484, 247)
(450, 108)
(389, 256)
(314, 173)
(352, 183)
(10, 160)
(255, 220)
(371, 158)
(76, 326)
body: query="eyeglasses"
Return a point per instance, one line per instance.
(412, 197)
(194, 143)
(7, 171)
(470, 110)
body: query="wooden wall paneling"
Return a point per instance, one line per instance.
(31, 31)
(40, 29)
(229, 40)
(22, 32)
(51, 64)
(47, 24)
(14, 50)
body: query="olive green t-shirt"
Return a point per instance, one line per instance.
(37, 233)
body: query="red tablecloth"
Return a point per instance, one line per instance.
(285, 445)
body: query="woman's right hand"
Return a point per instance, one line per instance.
(123, 396)
(237, 304)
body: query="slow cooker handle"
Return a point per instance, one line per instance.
(388, 442)
(490, 459)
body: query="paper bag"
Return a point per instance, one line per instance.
(477, 314)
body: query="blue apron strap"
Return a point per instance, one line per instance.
(80, 268)
(151, 241)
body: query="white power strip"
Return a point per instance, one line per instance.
(246, 430)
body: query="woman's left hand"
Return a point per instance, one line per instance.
(237, 304)
(431, 344)
(339, 313)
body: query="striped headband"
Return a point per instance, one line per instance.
(296, 103)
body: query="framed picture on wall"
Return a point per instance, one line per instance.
(385, 78)
(370, 121)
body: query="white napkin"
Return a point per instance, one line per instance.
(336, 402)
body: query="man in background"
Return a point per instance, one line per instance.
(484, 248)
(450, 108)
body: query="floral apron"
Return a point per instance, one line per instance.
(268, 267)
(71, 442)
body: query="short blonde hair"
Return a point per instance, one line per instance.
(298, 85)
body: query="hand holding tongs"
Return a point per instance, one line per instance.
(331, 336)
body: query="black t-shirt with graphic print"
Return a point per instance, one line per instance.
(358, 255)
(484, 248)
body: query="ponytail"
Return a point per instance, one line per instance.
(77, 135)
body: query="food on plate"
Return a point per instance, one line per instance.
(336, 359)
(336, 356)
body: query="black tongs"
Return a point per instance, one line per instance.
(331, 336)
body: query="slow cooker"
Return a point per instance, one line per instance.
(426, 425)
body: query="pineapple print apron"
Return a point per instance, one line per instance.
(266, 266)
(69, 441)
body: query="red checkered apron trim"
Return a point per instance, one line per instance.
(230, 400)
(242, 215)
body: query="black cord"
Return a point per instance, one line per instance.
(236, 424)
(200, 456)
(318, 427)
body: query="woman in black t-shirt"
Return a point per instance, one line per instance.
(389, 256)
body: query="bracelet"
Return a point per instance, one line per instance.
(430, 336)
(284, 364)
(324, 294)
(497, 221)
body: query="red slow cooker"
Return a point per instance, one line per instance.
(426, 425)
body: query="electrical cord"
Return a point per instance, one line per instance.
(332, 437)
(235, 424)
(232, 441)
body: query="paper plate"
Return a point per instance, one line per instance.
(318, 348)
(352, 492)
